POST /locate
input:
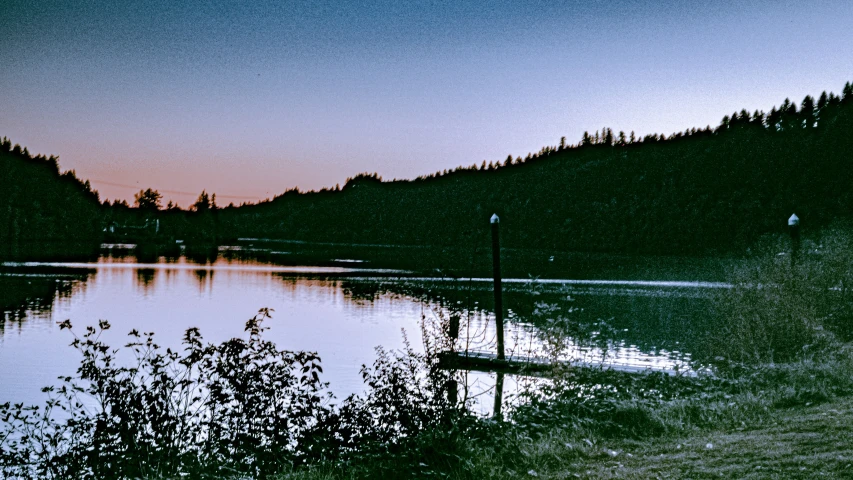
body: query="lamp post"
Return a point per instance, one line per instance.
(496, 268)
(794, 230)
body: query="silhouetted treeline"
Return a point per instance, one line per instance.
(44, 213)
(699, 191)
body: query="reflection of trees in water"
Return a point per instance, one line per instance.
(28, 296)
(145, 278)
(289, 282)
(204, 277)
(254, 255)
(599, 317)
(362, 291)
(319, 289)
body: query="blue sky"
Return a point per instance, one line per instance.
(248, 99)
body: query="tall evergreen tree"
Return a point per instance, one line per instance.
(608, 137)
(790, 119)
(808, 113)
(203, 203)
(774, 119)
(148, 200)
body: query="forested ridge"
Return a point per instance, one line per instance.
(42, 210)
(701, 191)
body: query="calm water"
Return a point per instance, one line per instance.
(341, 313)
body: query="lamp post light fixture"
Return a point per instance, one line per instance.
(794, 230)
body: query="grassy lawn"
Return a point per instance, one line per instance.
(801, 442)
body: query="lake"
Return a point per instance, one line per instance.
(339, 310)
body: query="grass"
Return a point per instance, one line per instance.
(799, 442)
(784, 421)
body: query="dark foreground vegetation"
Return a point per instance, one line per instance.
(698, 192)
(244, 409)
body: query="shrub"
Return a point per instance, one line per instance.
(779, 310)
(240, 409)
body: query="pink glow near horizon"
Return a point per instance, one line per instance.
(249, 101)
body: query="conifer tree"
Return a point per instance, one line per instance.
(203, 203)
(822, 101)
(773, 119)
(807, 112)
(147, 200)
(789, 116)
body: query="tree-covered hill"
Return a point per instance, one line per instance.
(695, 192)
(702, 191)
(44, 213)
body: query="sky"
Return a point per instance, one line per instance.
(250, 98)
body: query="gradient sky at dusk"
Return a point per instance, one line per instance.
(248, 99)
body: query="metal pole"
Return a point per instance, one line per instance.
(496, 267)
(794, 230)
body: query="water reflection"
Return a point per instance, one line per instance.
(608, 322)
(325, 310)
(145, 278)
(311, 313)
(205, 280)
(32, 295)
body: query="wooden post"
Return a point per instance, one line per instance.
(496, 267)
(794, 230)
(453, 327)
(452, 391)
(452, 385)
(499, 395)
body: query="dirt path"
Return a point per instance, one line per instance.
(800, 443)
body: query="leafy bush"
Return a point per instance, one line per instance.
(780, 311)
(240, 409)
